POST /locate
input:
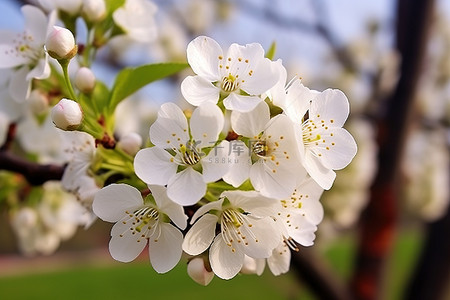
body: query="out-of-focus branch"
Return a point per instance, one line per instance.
(317, 276)
(36, 174)
(378, 221)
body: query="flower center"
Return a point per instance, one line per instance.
(189, 155)
(236, 228)
(230, 83)
(142, 222)
(260, 148)
(310, 135)
(22, 46)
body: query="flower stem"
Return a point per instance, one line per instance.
(65, 67)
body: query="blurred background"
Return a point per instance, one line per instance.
(386, 231)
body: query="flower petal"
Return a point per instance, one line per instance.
(338, 150)
(225, 263)
(241, 163)
(41, 70)
(154, 166)
(301, 230)
(308, 193)
(186, 187)
(125, 247)
(280, 260)
(264, 76)
(330, 105)
(111, 202)
(262, 237)
(35, 23)
(19, 87)
(206, 123)
(201, 235)
(297, 101)
(197, 90)
(170, 128)
(241, 103)
(217, 163)
(203, 55)
(272, 180)
(323, 176)
(251, 124)
(165, 250)
(167, 206)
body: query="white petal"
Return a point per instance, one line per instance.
(170, 128)
(201, 235)
(216, 205)
(252, 123)
(301, 230)
(309, 193)
(272, 180)
(241, 103)
(203, 54)
(125, 248)
(266, 237)
(165, 250)
(240, 164)
(35, 23)
(323, 176)
(19, 86)
(197, 90)
(280, 260)
(111, 202)
(167, 206)
(217, 163)
(186, 187)
(8, 56)
(330, 105)
(206, 123)
(225, 263)
(264, 76)
(41, 70)
(154, 166)
(252, 202)
(297, 101)
(338, 150)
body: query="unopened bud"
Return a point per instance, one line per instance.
(60, 43)
(253, 265)
(85, 80)
(94, 10)
(38, 102)
(130, 143)
(67, 115)
(197, 271)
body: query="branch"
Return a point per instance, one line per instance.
(35, 174)
(378, 222)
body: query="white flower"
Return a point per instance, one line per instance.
(85, 80)
(276, 167)
(67, 115)
(196, 269)
(4, 127)
(280, 259)
(25, 51)
(130, 143)
(94, 10)
(136, 18)
(178, 159)
(324, 145)
(246, 228)
(140, 221)
(241, 69)
(60, 43)
(72, 7)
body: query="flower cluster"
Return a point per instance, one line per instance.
(252, 189)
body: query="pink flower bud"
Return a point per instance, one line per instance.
(67, 115)
(85, 80)
(130, 143)
(197, 271)
(60, 43)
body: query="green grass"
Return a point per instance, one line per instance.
(137, 280)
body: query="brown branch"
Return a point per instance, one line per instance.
(378, 221)
(35, 173)
(317, 276)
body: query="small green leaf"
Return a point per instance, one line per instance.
(271, 52)
(129, 80)
(112, 5)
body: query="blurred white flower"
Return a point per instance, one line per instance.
(25, 51)
(94, 10)
(85, 80)
(196, 269)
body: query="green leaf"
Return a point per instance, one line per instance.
(271, 52)
(129, 80)
(112, 5)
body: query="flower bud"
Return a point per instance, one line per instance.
(60, 43)
(130, 143)
(67, 115)
(85, 80)
(197, 271)
(38, 102)
(94, 10)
